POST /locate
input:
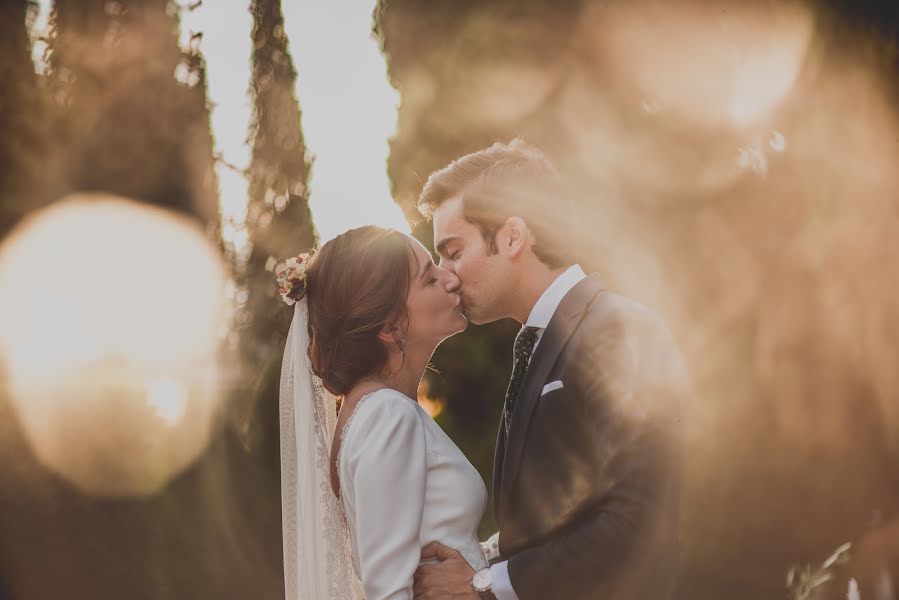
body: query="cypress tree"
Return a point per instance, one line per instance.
(279, 222)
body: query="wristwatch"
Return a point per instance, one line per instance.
(482, 582)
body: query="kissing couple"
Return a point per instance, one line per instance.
(379, 503)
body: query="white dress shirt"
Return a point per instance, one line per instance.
(540, 316)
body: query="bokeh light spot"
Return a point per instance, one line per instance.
(110, 313)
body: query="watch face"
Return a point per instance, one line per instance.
(482, 580)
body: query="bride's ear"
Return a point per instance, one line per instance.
(514, 237)
(387, 332)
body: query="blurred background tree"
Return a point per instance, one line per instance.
(279, 225)
(23, 111)
(278, 218)
(131, 106)
(122, 108)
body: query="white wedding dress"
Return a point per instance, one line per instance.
(404, 484)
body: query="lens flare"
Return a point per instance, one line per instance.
(701, 63)
(110, 313)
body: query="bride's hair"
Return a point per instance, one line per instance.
(356, 284)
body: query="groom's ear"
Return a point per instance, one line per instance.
(514, 237)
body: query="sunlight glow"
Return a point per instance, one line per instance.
(226, 48)
(169, 398)
(109, 319)
(432, 404)
(348, 107)
(39, 33)
(349, 113)
(711, 66)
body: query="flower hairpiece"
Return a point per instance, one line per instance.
(291, 277)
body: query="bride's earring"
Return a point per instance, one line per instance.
(400, 342)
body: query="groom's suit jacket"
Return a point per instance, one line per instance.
(587, 482)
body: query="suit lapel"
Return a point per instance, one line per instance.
(498, 456)
(562, 325)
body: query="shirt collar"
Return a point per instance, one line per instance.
(549, 301)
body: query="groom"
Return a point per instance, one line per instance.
(587, 471)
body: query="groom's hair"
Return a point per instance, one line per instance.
(502, 181)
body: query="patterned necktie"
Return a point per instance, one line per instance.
(521, 356)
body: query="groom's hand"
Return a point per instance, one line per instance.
(449, 578)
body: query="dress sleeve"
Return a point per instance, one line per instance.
(387, 461)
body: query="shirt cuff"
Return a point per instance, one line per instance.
(502, 585)
(490, 548)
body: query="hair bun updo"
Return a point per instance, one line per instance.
(355, 285)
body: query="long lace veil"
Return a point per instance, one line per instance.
(317, 555)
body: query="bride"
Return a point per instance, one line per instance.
(365, 491)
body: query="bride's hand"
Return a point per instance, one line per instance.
(450, 577)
